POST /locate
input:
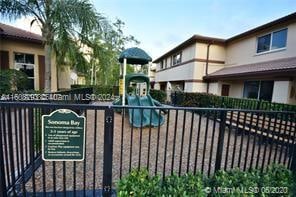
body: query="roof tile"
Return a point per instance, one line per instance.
(16, 33)
(275, 65)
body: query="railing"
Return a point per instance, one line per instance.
(189, 140)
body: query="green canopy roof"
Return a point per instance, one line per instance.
(135, 55)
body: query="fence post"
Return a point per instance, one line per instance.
(293, 164)
(108, 151)
(2, 172)
(293, 148)
(220, 140)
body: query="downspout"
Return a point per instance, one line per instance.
(207, 65)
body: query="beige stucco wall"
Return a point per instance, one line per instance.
(157, 86)
(283, 93)
(195, 70)
(215, 88)
(64, 77)
(183, 72)
(292, 92)
(243, 51)
(217, 52)
(236, 89)
(187, 54)
(280, 91)
(214, 67)
(54, 81)
(195, 87)
(13, 46)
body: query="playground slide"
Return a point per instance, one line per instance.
(143, 117)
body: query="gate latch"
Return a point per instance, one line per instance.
(107, 188)
(109, 119)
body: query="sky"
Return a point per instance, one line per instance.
(160, 25)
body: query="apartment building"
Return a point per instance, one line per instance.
(23, 50)
(259, 63)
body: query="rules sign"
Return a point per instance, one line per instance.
(63, 136)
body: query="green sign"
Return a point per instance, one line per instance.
(63, 136)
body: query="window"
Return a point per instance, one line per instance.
(272, 41)
(177, 58)
(165, 63)
(258, 90)
(161, 65)
(25, 63)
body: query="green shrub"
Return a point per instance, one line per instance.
(234, 182)
(99, 89)
(213, 101)
(186, 185)
(75, 86)
(158, 95)
(139, 183)
(11, 79)
(277, 177)
(277, 180)
(103, 89)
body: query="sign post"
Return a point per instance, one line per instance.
(63, 136)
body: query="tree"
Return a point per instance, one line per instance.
(106, 48)
(59, 20)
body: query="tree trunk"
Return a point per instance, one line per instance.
(47, 84)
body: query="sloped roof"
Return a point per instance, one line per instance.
(274, 66)
(212, 40)
(283, 20)
(190, 41)
(7, 31)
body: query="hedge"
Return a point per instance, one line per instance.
(11, 78)
(158, 95)
(214, 101)
(274, 181)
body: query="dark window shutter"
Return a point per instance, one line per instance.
(4, 60)
(41, 63)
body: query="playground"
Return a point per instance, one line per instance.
(136, 131)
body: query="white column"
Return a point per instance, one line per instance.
(149, 65)
(123, 81)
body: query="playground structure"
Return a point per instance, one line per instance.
(139, 96)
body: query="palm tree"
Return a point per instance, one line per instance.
(59, 20)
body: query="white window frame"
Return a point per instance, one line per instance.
(271, 38)
(176, 54)
(161, 65)
(259, 88)
(17, 65)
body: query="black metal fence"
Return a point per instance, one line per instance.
(190, 140)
